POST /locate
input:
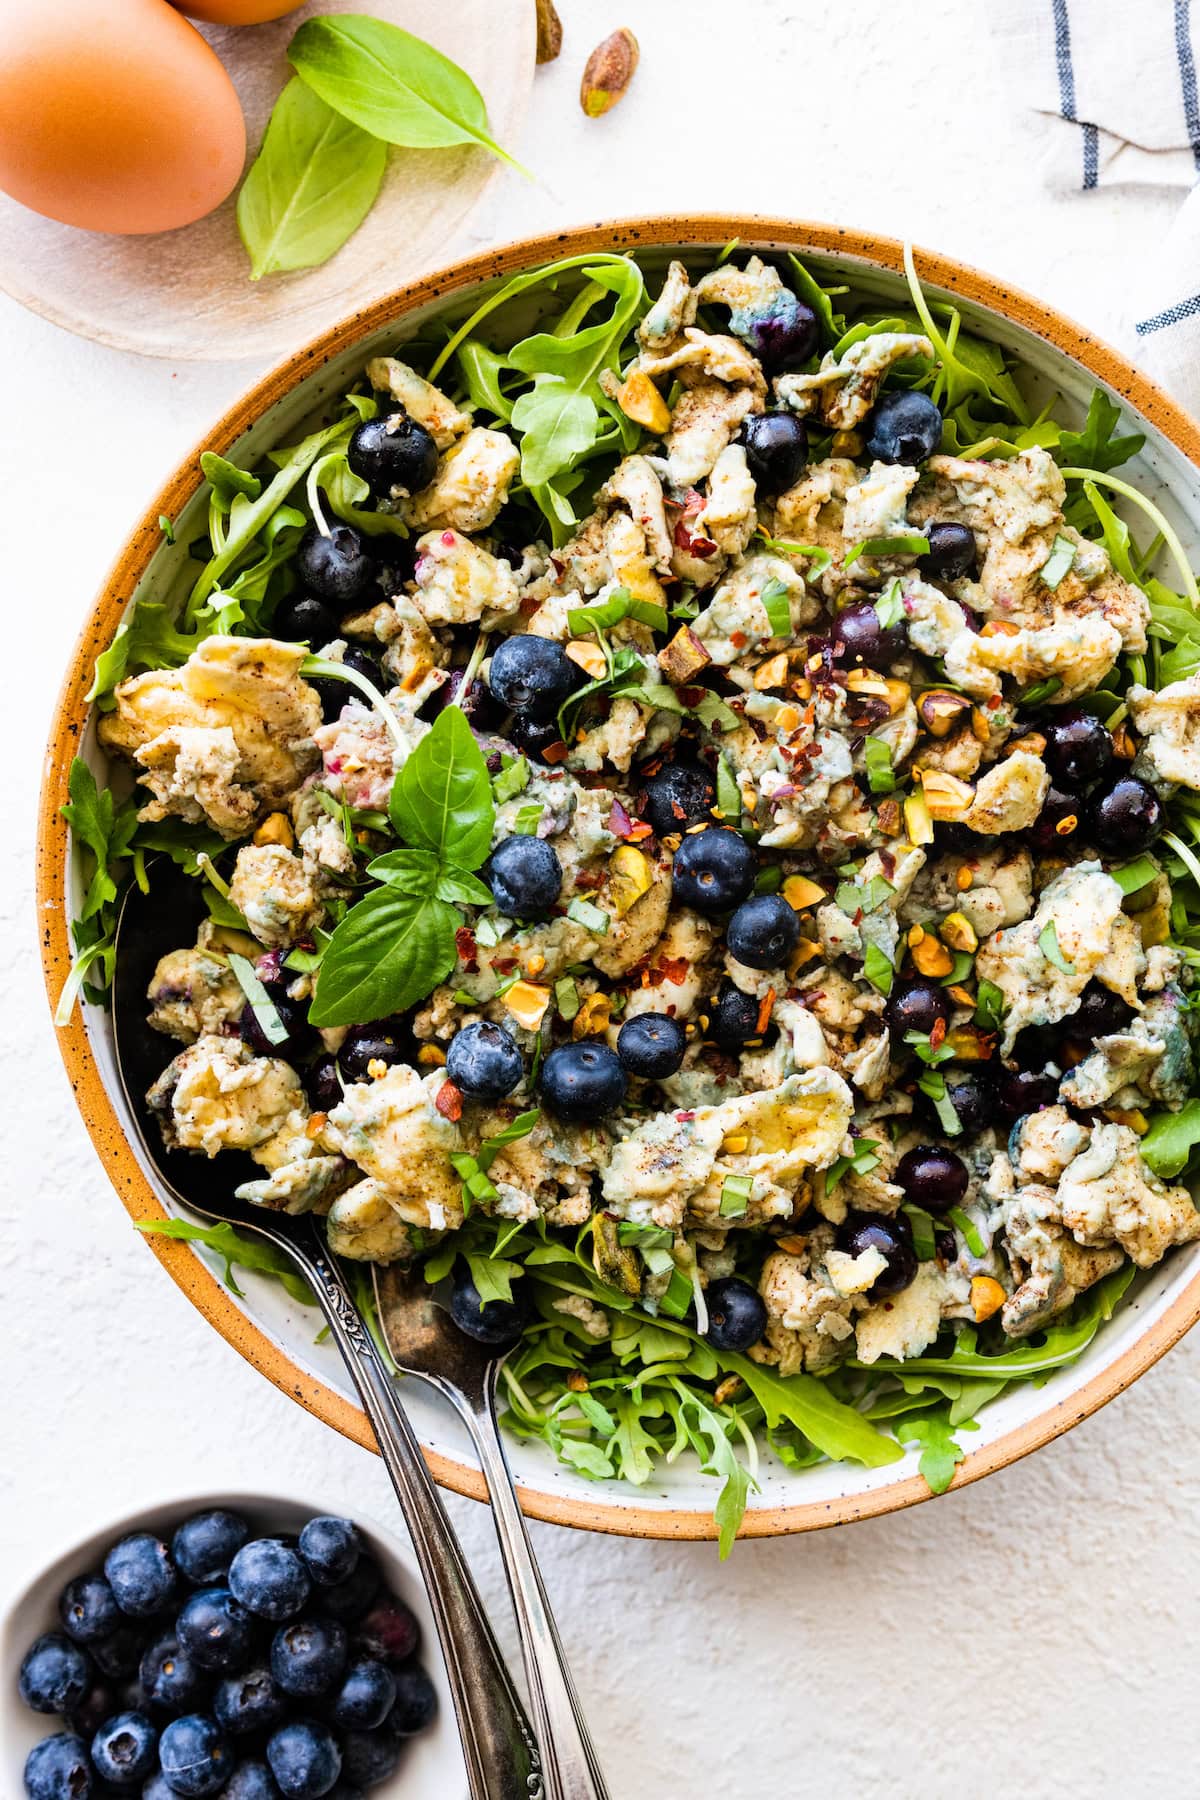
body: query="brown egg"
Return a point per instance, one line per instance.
(236, 12)
(115, 118)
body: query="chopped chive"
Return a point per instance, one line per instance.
(968, 1229)
(1049, 947)
(889, 608)
(923, 1232)
(261, 1003)
(1059, 561)
(912, 545)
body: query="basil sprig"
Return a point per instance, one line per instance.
(398, 942)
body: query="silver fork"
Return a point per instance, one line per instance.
(424, 1341)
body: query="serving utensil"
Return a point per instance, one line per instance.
(424, 1341)
(502, 1756)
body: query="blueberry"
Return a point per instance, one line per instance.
(583, 1081)
(120, 1652)
(972, 1100)
(525, 876)
(305, 1759)
(364, 1696)
(206, 1544)
(87, 1609)
(249, 1701)
(532, 675)
(892, 1238)
(99, 1703)
(860, 638)
(776, 446)
(390, 453)
(195, 1757)
(159, 1788)
(172, 1682)
(141, 1575)
(737, 1317)
(1060, 818)
(293, 1016)
(477, 704)
(58, 1769)
(334, 566)
(389, 1633)
(389, 1041)
(483, 1059)
(1038, 1045)
(252, 1781)
(1127, 817)
(713, 869)
(536, 737)
(733, 1018)
(497, 1323)
(322, 1084)
(215, 1629)
(1100, 1012)
(1021, 1091)
(351, 1598)
(416, 1702)
(308, 1656)
(124, 1750)
(55, 1675)
(904, 427)
(651, 1044)
(370, 1757)
(932, 1177)
(763, 932)
(917, 1006)
(786, 336)
(951, 553)
(1079, 749)
(678, 795)
(945, 1246)
(269, 1578)
(330, 1548)
(303, 619)
(335, 693)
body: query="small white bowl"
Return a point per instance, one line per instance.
(431, 1767)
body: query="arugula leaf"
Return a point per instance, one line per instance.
(709, 1434)
(313, 182)
(807, 1403)
(394, 85)
(106, 830)
(388, 952)
(1097, 446)
(1171, 1139)
(832, 324)
(493, 1276)
(245, 1249)
(940, 1450)
(442, 797)
(148, 639)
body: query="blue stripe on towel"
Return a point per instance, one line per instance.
(1187, 75)
(1091, 156)
(1066, 91)
(1184, 309)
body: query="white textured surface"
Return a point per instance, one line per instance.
(1027, 1633)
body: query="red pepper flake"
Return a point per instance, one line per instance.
(589, 878)
(639, 831)
(619, 821)
(887, 863)
(684, 1117)
(468, 949)
(505, 965)
(764, 1011)
(691, 696)
(449, 539)
(555, 753)
(937, 1033)
(449, 1101)
(529, 605)
(738, 639)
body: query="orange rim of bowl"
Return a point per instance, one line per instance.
(92, 1097)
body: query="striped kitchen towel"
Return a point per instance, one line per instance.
(1118, 80)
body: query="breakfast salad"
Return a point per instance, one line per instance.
(696, 792)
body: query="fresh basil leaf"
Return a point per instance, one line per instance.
(933, 1084)
(395, 85)
(878, 969)
(778, 606)
(1049, 947)
(408, 871)
(458, 886)
(964, 1223)
(924, 1242)
(1059, 562)
(912, 544)
(313, 182)
(619, 605)
(388, 952)
(1171, 1139)
(989, 1006)
(442, 797)
(1132, 877)
(512, 779)
(729, 794)
(877, 755)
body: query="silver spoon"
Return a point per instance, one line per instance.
(424, 1341)
(502, 1756)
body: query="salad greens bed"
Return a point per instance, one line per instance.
(531, 356)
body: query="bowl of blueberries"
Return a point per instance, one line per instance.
(240, 1646)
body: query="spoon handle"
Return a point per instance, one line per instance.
(571, 1767)
(503, 1762)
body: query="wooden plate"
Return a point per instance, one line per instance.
(187, 294)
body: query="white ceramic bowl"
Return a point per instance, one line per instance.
(431, 1767)
(1058, 358)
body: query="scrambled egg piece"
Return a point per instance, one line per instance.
(844, 392)
(273, 890)
(1108, 1194)
(364, 1226)
(391, 1129)
(1149, 1060)
(457, 582)
(905, 1323)
(876, 507)
(193, 993)
(217, 1095)
(729, 516)
(1170, 723)
(1080, 914)
(1052, 1270)
(1077, 652)
(471, 484)
(225, 736)
(808, 1319)
(419, 399)
(1009, 797)
(735, 619)
(1000, 893)
(674, 1165)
